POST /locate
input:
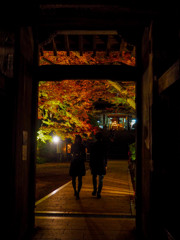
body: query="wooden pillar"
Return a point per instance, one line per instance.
(24, 132)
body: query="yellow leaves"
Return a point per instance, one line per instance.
(124, 93)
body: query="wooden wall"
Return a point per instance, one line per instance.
(159, 134)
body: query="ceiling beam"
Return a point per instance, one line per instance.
(87, 32)
(85, 6)
(139, 9)
(115, 73)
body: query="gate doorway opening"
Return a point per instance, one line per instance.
(85, 107)
(70, 107)
(95, 93)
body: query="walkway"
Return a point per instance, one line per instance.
(59, 216)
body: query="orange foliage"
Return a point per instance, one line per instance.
(114, 58)
(65, 107)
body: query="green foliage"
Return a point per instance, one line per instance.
(132, 149)
(44, 136)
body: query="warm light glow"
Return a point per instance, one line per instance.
(69, 148)
(114, 123)
(56, 139)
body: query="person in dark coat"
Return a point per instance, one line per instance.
(77, 166)
(98, 163)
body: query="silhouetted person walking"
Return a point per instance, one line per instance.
(77, 166)
(98, 164)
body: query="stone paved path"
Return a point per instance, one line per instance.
(60, 216)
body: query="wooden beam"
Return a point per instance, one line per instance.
(112, 72)
(109, 7)
(81, 44)
(87, 32)
(94, 45)
(108, 45)
(66, 38)
(41, 51)
(54, 47)
(122, 46)
(169, 77)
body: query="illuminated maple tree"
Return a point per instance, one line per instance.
(88, 58)
(67, 107)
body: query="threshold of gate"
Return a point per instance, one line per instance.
(81, 214)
